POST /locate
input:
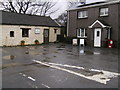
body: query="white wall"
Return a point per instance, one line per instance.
(12, 41)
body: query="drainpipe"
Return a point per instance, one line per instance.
(68, 23)
(109, 31)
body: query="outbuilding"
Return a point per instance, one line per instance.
(16, 28)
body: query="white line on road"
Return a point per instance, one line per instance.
(24, 75)
(33, 86)
(101, 78)
(31, 78)
(64, 65)
(77, 67)
(45, 85)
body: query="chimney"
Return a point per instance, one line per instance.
(82, 1)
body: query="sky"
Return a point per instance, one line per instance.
(62, 5)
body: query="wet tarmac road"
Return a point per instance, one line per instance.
(58, 66)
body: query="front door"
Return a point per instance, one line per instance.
(46, 35)
(97, 37)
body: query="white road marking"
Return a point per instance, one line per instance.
(70, 66)
(77, 67)
(24, 75)
(45, 85)
(101, 78)
(31, 78)
(20, 73)
(27, 76)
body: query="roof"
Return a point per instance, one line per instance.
(95, 4)
(10, 18)
(101, 22)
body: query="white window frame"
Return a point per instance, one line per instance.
(82, 14)
(37, 30)
(79, 33)
(104, 11)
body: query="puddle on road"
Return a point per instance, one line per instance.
(55, 52)
(41, 66)
(89, 53)
(69, 50)
(29, 70)
(44, 53)
(10, 65)
(82, 52)
(60, 49)
(31, 47)
(45, 49)
(70, 53)
(9, 57)
(34, 53)
(54, 56)
(29, 64)
(34, 64)
(90, 73)
(46, 60)
(85, 72)
(61, 46)
(21, 64)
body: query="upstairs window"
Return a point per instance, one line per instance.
(37, 31)
(81, 33)
(11, 33)
(98, 33)
(104, 12)
(82, 14)
(25, 32)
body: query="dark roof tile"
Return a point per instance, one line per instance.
(11, 18)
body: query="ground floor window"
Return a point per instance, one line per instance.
(25, 32)
(11, 33)
(37, 30)
(81, 32)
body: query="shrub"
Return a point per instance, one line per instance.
(36, 41)
(22, 41)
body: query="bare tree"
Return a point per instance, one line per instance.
(62, 19)
(30, 6)
(72, 3)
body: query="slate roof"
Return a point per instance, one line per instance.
(94, 4)
(10, 18)
(90, 4)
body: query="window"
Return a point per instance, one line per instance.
(55, 30)
(98, 33)
(11, 33)
(25, 32)
(81, 32)
(103, 11)
(37, 31)
(82, 14)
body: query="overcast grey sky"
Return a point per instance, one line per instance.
(62, 5)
